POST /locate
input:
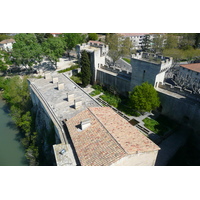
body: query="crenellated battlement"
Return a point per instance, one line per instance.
(153, 57)
(117, 70)
(179, 90)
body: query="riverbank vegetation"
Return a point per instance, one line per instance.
(16, 94)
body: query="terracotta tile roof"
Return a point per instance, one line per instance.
(107, 139)
(96, 42)
(132, 34)
(130, 139)
(194, 66)
(7, 41)
(94, 146)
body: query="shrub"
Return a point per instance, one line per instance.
(69, 69)
(95, 92)
(111, 99)
(155, 126)
(76, 79)
(127, 60)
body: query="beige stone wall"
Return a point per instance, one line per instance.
(139, 159)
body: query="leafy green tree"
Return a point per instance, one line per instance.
(146, 43)
(40, 37)
(4, 61)
(113, 41)
(53, 49)
(115, 55)
(197, 40)
(85, 68)
(16, 93)
(126, 46)
(72, 39)
(92, 36)
(186, 41)
(171, 41)
(26, 50)
(144, 98)
(4, 36)
(158, 42)
(177, 54)
(48, 35)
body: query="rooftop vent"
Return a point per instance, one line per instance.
(47, 76)
(77, 104)
(60, 86)
(55, 79)
(85, 124)
(62, 151)
(70, 97)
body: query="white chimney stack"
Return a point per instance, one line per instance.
(85, 124)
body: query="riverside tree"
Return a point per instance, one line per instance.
(85, 68)
(144, 98)
(4, 60)
(26, 51)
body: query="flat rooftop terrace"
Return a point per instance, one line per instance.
(57, 99)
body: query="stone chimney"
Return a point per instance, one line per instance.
(47, 76)
(55, 79)
(60, 86)
(77, 104)
(85, 124)
(70, 97)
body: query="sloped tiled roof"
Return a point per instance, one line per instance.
(7, 41)
(132, 34)
(193, 66)
(94, 146)
(96, 42)
(107, 139)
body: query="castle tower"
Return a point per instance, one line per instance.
(149, 68)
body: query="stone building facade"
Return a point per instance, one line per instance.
(97, 51)
(123, 77)
(149, 68)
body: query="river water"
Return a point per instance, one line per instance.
(11, 150)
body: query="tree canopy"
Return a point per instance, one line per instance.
(126, 46)
(26, 50)
(4, 36)
(146, 43)
(118, 47)
(72, 39)
(54, 48)
(144, 98)
(85, 68)
(4, 60)
(92, 36)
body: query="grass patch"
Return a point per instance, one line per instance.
(155, 126)
(77, 79)
(95, 92)
(127, 60)
(69, 69)
(111, 99)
